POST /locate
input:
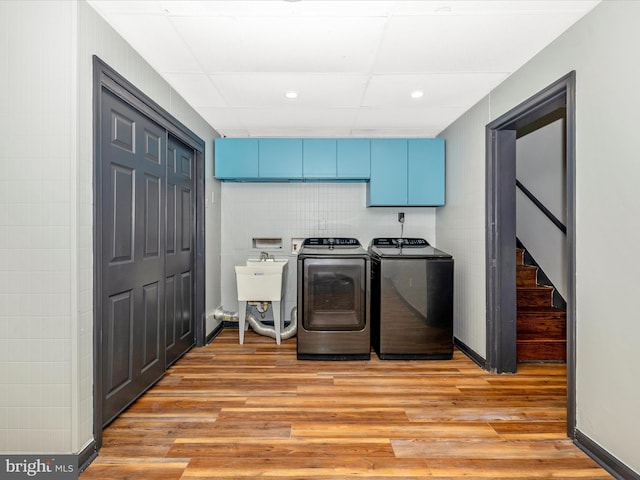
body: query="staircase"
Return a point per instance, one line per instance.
(541, 327)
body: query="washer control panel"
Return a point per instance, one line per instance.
(400, 242)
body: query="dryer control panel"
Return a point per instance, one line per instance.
(331, 242)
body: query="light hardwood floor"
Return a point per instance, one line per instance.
(251, 411)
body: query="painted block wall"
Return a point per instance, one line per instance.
(299, 210)
(600, 48)
(46, 215)
(38, 228)
(460, 224)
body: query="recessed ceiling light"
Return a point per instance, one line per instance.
(417, 94)
(291, 94)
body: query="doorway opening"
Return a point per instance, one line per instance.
(541, 240)
(501, 229)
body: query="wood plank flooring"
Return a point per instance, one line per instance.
(255, 411)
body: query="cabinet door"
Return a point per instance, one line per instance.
(236, 158)
(280, 158)
(426, 166)
(354, 158)
(319, 158)
(388, 184)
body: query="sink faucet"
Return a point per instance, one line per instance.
(264, 256)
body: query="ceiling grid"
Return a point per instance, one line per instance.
(352, 63)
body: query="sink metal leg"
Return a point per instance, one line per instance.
(277, 320)
(242, 315)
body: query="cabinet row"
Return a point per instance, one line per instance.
(398, 171)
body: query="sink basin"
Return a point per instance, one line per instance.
(261, 280)
(270, 262)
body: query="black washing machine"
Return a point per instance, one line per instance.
(334, 276)
(411, 299)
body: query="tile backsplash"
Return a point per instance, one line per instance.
(300, 210)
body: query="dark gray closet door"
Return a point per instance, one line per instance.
(180, 242)
(133, 202)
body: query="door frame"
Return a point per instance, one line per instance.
(106, 78)
(501, 230)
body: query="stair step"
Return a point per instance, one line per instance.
(539, 351)
(526, 276)
(540, 295)
(541, 324)
(541, 327)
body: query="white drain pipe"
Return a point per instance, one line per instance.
(259, 327)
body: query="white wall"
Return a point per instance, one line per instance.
(300, 210)
(461, 223)
(46, 215)
(38, 226)
(601, 48)
(541, 167)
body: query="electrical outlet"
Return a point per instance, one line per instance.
(401, 217)
(296, 243)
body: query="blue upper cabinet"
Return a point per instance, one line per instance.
(400, 171)
(236, 158)
(426, 176)
(319, 158)
(388, 184)
(407, 172)
(280, 158)
(353, 158)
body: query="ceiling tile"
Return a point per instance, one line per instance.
(223, 118)
(446, 89)
(266, 9)
(268, 89)
(130, 7)
(196, 88)
(156, 40)
(299, 117)
(428, 119)
(307, 44)
(466, 43)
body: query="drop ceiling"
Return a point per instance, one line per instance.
(353, 63)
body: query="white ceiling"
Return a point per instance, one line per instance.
(353, 63)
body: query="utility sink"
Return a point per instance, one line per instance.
(261, 280)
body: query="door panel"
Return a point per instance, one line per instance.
(132, 203)
(186, 327)
(185, 225)
(171, 218)
(119, 323)
(122, 240)
(179, 250)
(152, 327)
(152, 145)
(123, 133)
(152, 216)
